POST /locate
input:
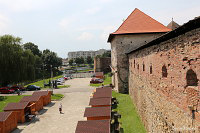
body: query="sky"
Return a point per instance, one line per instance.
(72, 25)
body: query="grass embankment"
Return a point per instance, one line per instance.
(107, 81)
(57, 96)
(63, 86)
(82, 71)
(41, 83)
(4, 100)
(130, 120)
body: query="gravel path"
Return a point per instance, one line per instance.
(74, 103)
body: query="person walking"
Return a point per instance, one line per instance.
(18, 92)
(60, 108)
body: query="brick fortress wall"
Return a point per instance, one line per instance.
(102, 64)
(164, 83)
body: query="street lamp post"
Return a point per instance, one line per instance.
(51, 79)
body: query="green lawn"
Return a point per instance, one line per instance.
(57, 96)
(63, 86)
(14, 99)
(130, 120)
(107, 81)
(9, 99)
(87, 70)
(41, 82)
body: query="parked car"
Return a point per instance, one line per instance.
(32, 88)
(16, 87)
(59, 82)
(96, 81)
(6, 90)
(66, 78)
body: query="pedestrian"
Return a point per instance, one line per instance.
(18, 92)
(60, 108)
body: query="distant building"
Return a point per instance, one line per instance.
(65, 62)
(173, 25)
(102, 64)
(85, 54)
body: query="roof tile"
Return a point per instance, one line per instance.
(139, 22)
(97, 111)
(100, 101)
(95, 126)
(4, 115)
(14, 106)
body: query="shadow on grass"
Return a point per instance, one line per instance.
(2, 98)
(121, 130)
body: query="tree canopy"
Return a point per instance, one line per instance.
(20, 63)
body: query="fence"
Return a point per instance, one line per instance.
(82, 75)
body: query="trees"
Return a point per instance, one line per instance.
(16, 64)
(51, 61)
(71, 61)
(34, 48)
(89, 60)
(106, 54)
(20, 63)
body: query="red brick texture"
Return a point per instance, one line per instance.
(164, 82)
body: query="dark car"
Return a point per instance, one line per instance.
(16, 87)
(6, 90)
(32, 88)
(96, 81)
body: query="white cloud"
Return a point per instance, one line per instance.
(85, 36)
(106, 31)
(93, 10)
(65, 23)
(4, 21)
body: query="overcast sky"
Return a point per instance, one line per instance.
(72, 25)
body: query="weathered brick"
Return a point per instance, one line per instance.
(164, 103)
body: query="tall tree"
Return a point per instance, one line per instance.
(15, 63)
(71, 61)
(89, 60)
(34, 48)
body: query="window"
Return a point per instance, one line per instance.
(164, 71)
(151, 71)
(138, 66)
(143, 67)
(134, 63)
(191, 78)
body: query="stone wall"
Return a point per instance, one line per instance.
(102, 64)
(164, 83)
(119, 60)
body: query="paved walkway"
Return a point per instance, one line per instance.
(74, 103)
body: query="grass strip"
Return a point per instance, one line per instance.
(130, 120)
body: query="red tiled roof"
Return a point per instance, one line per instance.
(95, 126)
(4, 115)
(30, 98)
(98, 73)
(14, 106)
(100, 101)
(41, 93)
(97, 111)
(100, 93)
(139, 22)
(104, 89)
